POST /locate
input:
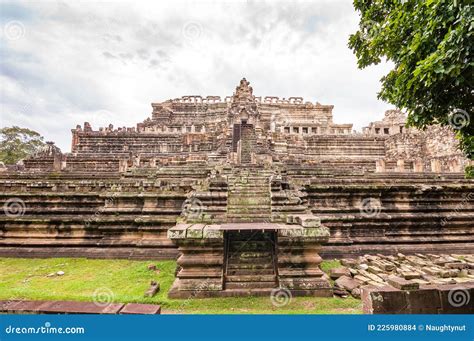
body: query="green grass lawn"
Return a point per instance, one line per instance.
(126, 281)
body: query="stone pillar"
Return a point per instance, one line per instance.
(418, 166)
(201, 261)
(63, 163)
(380, 166)
(136, 161)
(153, 162)
(57, 162)
(123, 165)
(435, 166)
(455, 166)
(298, 248)
(400, 165)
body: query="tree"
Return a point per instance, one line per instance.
(430, 44)
(17, 143)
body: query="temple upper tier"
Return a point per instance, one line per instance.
(244, 128)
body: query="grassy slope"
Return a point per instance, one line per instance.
(128, 280)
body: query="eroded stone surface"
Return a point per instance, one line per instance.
(404, 272)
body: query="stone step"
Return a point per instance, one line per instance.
(248, 202)
(249, 189)
(256, 277)
(250, 214)
(241, 211)
(248, 179)
(246, 272)
(249, 260)
(246, 254)
(251, 245)
(248, 194)
(247, 220)
(250, 285)
(248, 250)
(289, 208)
(249, 183)
(249, 266)
(249, 217)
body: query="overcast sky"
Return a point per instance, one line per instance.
(63, 63)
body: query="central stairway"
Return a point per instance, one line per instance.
(250, 261)
(249, 196)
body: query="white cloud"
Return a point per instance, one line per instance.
(106, 62)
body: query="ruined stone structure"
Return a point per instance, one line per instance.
(248, 191)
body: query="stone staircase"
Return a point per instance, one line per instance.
(248, 196)
(287, 199)
(250, 261)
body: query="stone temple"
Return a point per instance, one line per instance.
(249, 193)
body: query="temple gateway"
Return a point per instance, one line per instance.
(249, 193)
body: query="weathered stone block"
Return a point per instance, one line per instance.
(347, 283)
(335, 273)
(195, 231)
(213, 232)
(384, 300)
(402, 284)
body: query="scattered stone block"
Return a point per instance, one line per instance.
(371, 276)
(340, 292)
(153, 289)
(457, 265)
(402, 284)
(376, 284)
(349, 262)
(356, 292)
(346, 282)
(374, 269)
(362, 279)
(410, 275)
(432, 271)
(335, 273)
(353, 271)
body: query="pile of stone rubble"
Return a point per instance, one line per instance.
(401, 271)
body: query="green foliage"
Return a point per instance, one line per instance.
(17, 143)
(430, 45)
(469, 171)
(327, 265)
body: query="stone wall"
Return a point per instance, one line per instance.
(435, 149)
(127, 215)
(386, 214)
(428, 299)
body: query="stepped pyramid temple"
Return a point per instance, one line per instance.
(248, 193)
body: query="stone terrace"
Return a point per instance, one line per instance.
(245, 159)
